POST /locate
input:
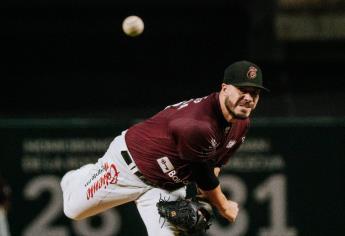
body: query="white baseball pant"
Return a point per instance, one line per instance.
(110, 182)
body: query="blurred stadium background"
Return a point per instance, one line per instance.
(71, 80)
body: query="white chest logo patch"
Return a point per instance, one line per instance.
(214, 144)
(165, 164)
(231, 143)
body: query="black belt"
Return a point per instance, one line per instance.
(130, 162)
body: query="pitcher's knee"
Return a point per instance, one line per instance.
(70, 206)
(70, 210)
(73, 216)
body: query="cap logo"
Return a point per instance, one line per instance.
(251, 74)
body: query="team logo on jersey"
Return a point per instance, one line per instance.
(165, 164)
(169, 169)
(243, 138)
(251, 74)
(214, 144)
(231, 143)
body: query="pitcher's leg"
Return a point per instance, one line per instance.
(94, 188)
(84, 190)
(147, 208)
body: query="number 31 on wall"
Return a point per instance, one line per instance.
(273, 189)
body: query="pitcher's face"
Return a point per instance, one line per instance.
(240, 101)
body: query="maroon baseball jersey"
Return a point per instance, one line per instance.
(166, 145)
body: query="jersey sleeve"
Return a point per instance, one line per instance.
(204, 176)
(193, 139)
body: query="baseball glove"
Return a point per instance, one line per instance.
(191, 216)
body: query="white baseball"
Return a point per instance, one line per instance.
(133, 26)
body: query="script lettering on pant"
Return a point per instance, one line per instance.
(109, 177)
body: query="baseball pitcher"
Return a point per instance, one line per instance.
(187, 142)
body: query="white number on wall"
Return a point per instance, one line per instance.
(274, 191)
(238, 191)
(111, 223)
(41, 224)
